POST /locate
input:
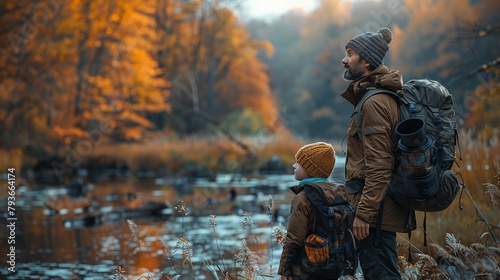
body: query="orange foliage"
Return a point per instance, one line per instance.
(426, 40)
(247, 86)
(95, 62)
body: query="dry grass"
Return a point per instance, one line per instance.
(471, 219)
(471, 212)
(446, 257)
(247, 259)
(454, 261)
(211, 153)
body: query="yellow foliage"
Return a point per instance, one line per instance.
(98, 60)
(247, 85)
(11, 159)
(68, 132)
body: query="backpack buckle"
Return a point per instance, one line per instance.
(413, 107)
(331, 212)
(437, 120)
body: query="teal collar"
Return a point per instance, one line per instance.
(312, 180)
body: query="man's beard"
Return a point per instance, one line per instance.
(351, 74)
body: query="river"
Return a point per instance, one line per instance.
(58, 236)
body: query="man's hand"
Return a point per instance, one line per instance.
(286, 277)
(361, 229)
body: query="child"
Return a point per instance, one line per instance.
(314, 163)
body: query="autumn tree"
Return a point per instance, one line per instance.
(84, 72)
(27, 79)
(117, 78)
(78, 70)
(213, 66)
(480, 109)
(307, 72)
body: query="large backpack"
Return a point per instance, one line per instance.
(330, 248)
(422, 179)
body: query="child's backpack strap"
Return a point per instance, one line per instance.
(317, 198)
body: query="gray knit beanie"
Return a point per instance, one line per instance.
(372, 46)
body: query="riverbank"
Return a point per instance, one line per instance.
(194, 157)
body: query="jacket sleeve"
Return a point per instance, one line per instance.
(296, 233)
(380, 115)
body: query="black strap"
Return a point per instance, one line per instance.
(320, 206)
(331, 229)
(425, 229)
(331, 215)
(408, 228)
(371, 91)
(379, 224)
(355, 186)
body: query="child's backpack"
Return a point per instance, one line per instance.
(427, 131)
(330, 248)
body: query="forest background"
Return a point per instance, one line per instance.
(166, 85)
(178, 86)
(79, 78)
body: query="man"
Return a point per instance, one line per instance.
(370, 154)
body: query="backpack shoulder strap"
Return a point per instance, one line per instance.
(322, 210)
(315, 195)
(371, 91)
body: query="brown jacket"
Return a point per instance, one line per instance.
(371, 157)
(300, 213)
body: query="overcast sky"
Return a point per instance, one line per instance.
(270, 9)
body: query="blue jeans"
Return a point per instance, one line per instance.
(379, 261)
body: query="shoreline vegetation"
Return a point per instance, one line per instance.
(194, 156)
(454, 260)
(463, 239)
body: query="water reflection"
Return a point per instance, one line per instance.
(46, 249)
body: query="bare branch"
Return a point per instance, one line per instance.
(482, 68)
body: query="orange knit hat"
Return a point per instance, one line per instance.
(317, 159)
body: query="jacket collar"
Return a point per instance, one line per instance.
(297, 189)
(380, 77)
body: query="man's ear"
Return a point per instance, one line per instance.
(367, 65)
